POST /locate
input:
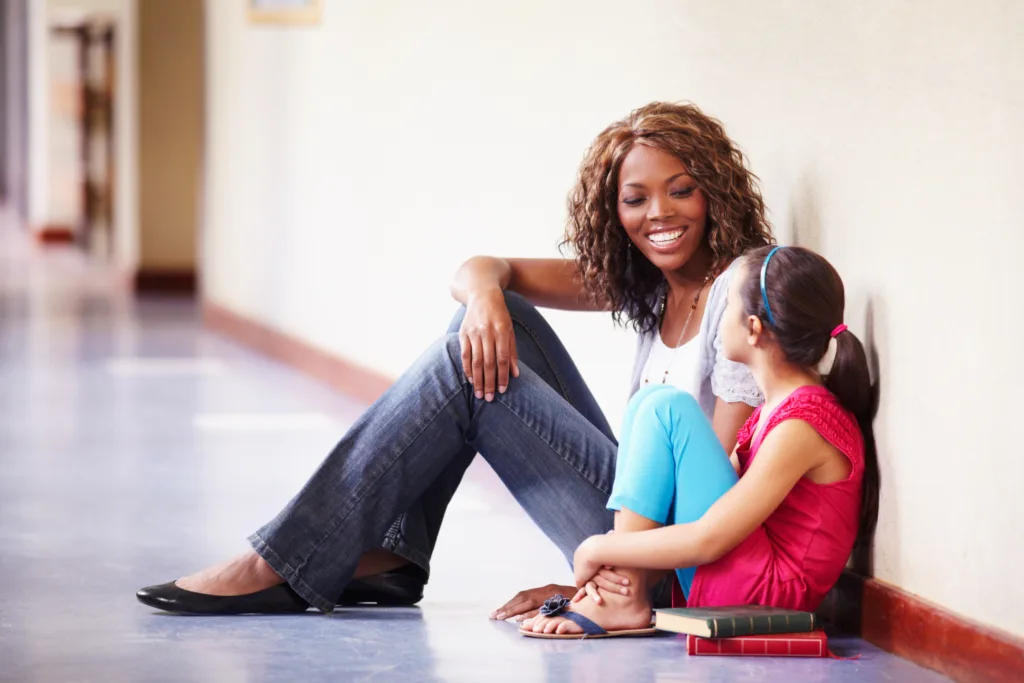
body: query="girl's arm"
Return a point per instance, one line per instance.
(789, 451)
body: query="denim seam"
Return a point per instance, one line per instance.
(400, 547)
(289, 573)
(562, 385)
(554, 449)
(340, 519)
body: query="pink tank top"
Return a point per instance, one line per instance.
(797, 555)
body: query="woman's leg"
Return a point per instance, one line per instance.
(426, 429)
(558, 465)
(671, 468)
(414, 533)
(411, 536)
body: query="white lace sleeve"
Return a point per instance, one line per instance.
(730, 381)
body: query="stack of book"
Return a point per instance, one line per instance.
(745, 631)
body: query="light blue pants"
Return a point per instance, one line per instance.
(671, 466)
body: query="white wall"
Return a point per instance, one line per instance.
(353, 165)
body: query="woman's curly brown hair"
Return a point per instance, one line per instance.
(621, 277)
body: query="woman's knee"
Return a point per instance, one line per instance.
(445, 351)
(519, 309)
(518, 306)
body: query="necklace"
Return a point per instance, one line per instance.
(686, 325)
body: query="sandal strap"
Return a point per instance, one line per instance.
(588, 626)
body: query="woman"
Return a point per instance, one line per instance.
(663, 206)
(774, 524)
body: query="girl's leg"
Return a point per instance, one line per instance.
(671, 468)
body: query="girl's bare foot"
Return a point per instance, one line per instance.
(615, 613)
(241, 575)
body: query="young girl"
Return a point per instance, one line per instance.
(775, 523)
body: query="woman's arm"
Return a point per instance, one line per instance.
(550, 283)
(789, 451)
(488, 342)
(727, 421)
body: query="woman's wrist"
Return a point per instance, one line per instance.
(483, 293)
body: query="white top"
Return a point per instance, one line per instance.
(719, 376)
(683, 364)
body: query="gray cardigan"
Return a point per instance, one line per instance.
(720, 377)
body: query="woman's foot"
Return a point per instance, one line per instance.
(615, 613)
(377, 561)
(241, 575)
(243, 585)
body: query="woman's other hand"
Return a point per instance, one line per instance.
(488, 341)
(527, 603)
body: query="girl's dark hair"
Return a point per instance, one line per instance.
(622, 277)
(806, 297)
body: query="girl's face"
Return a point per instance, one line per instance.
(661, 208)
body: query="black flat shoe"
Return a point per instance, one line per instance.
(402, 587)
(169, 597)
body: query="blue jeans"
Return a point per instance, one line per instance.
(389, 480)
(671, 466)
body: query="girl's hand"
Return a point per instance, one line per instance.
(586, 563)
(488, 344)
(605, 580)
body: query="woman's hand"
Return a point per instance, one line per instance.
(488, 343)
(525, 604)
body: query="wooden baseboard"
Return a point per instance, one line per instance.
(178, 282)
(54, 233)
(884, 615)
(923, 632)
(354, 380)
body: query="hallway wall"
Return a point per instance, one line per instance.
(170, 133)
(13, 129)
(354, 164)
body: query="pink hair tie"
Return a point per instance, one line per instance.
(840, 328)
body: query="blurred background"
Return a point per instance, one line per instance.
(314, 172)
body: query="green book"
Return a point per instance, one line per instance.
(727, 622)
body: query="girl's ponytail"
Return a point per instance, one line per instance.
(850, 380)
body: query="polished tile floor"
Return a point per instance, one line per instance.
(135, 447)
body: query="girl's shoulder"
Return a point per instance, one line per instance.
(819, 407)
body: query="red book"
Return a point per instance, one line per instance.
(813, 644)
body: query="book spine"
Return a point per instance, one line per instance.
(758, 647)
(761, 625)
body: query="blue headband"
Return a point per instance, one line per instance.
(764, 291)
